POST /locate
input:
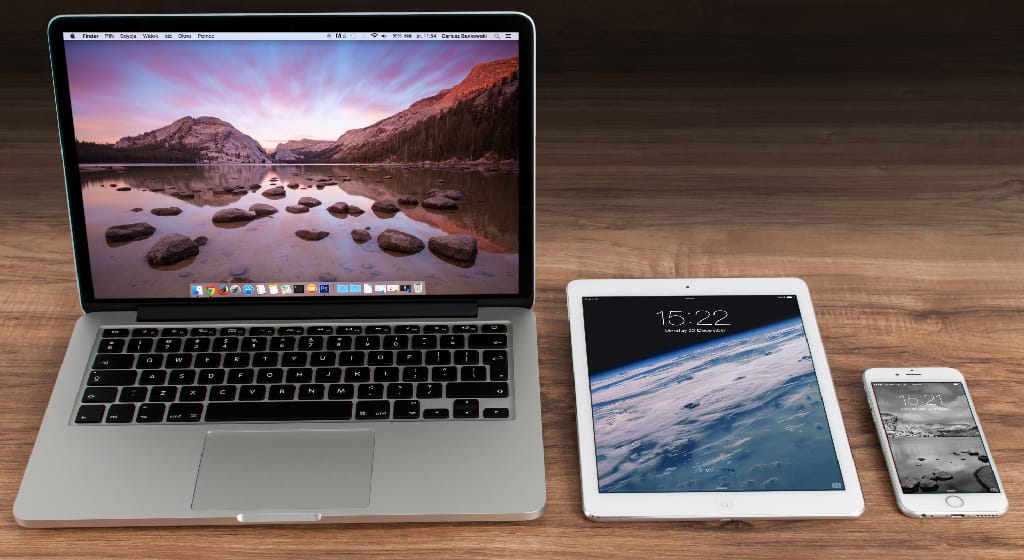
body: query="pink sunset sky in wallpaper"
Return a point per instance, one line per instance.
(274, 91)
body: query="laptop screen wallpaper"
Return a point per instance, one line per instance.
(271, 167)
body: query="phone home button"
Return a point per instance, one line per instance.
(954, 501)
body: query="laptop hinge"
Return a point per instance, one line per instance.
(180, 313)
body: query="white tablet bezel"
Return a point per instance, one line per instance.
(708, 505)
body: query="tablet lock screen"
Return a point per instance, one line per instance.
(705, 394)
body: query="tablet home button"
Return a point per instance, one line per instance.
(954, 501)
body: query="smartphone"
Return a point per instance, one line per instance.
(938, 459)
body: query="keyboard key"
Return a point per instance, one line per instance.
(466, 408)
(340, 391)
(293, 359)
(185, 412)
(118, 333)
(378, 329)
(407, 329)
(282, 343)
(424, 341)
(496, 413)
(112, 377)
(113, 361)
(282, 411)
(149, 361)
(89, 414)
(351, 358)
(407, 410)
(493, 328)
(111, 345)
(453, 341)
(499, 371)
(495, 356)
(151, 412)
(435, 413)
(321, 359)
(178, 361)
(372, 410)
(252, 392)
(240, 376)
(281, 392)
(443, 373)
(488, 341)
(193, 393)
(311, 392)
(209, 360)
(139, 345)
(222, 393)
(464, 329)
(299, 375)
(368, 342)
(211, 376)
(429, 390)
(370, 391)
(477, 389)
(225, 343)
(409, 357)
(236, 360)
(120, 413)
(203, 331)
(261, 331)
(99, 394)
(254, 344)
(163, 394)
(264, 359)
(133, 394)
(270, 375)
(328, 375)
(145, 332)
(396, 342)
(435, 329)
(385, 374)
(174, 331)
(438, 357)
(311, 343)
(416, 373)
(474, 373)
(400, 390)
(182, 377)
(467, 357)
(339, 343)
(167, 345)
(290, 331)
(232, 331)
(349, 329)
(380, 358)
(196, 345)
(320, 330)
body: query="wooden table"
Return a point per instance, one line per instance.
(875, 149)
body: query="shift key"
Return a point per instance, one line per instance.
(476, 390)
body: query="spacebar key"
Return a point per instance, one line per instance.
(263, 411)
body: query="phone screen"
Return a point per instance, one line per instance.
(934, 438)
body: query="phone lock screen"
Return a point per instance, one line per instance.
(934, 438)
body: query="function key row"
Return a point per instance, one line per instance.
(296, 330)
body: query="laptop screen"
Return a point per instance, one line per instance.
(297, 164)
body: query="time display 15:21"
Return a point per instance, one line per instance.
(699, 318)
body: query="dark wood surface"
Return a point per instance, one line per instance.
(873, 148)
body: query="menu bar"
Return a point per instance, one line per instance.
(291, 36)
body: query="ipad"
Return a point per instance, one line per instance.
(706, 399)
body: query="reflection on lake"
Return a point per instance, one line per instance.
(267, 250)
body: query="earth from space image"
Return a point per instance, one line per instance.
(740, 413)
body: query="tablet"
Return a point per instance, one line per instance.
(706, 399)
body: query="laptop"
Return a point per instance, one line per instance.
(305, 255)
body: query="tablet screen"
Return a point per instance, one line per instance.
(706, 394)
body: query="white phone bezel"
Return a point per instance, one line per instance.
(975, 504)
(848, 502)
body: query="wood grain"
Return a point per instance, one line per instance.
(871, 147)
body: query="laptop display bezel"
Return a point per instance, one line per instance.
(404, 22)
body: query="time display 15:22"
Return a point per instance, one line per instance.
(697, 318)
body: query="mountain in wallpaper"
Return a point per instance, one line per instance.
(475, 119)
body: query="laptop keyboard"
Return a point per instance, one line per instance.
(174, 374)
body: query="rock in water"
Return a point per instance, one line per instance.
(124, 189)
(201, 240)
(385, 205)
(355, 210)
(228, 215)
(297, 208)
(274, 192)
(440, 203)
(311, 234)
(360, 236)
(261, 209)
(171, 248)
(129, 232)
(451, 194)
(169, 211)
(309, 201)
(338, 208)
(408, 199)
(399, 242)
(459, 247)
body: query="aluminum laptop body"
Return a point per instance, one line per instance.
(346, 179)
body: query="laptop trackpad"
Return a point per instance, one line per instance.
(281, 470)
